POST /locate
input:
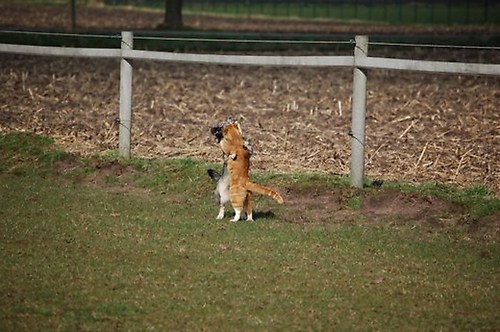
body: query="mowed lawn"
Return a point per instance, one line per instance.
(115, 245)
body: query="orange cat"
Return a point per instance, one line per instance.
(241, 188)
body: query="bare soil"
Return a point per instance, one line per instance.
(420, 127)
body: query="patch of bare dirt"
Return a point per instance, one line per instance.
(315, 206)
(113, 175)
(411, 207)
(487, 227)
(104, 169)
(322, 206)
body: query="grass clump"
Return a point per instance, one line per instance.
(24, 152)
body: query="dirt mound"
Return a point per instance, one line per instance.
(340, 204)
(406, 207)
(314, 206)
(321, 206)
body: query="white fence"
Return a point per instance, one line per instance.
(359, 61)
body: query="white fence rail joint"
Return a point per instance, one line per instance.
(359, 61)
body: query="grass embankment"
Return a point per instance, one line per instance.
(411, 13)
(102, 244)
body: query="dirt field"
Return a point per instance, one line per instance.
(420, 127)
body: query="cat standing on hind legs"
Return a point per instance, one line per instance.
(222, 181)
(241, 189)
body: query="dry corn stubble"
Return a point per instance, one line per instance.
(419, 127)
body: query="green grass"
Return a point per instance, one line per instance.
(144, 252)
(410, 13)
(392, 12)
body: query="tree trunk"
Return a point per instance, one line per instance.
(173, 14)
(73, 15)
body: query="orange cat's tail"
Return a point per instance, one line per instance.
(257, 188)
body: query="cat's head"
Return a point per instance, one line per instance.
(232, 131)
(218, 129)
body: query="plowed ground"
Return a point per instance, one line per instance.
(419, 127)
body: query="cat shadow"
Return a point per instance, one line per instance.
(264, 215)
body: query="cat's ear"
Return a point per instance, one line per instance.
(247, 145)
(239, 127)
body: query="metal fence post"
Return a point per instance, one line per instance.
(358, 114)
(125, 98)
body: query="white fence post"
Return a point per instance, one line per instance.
(358, 114)
(125, 130)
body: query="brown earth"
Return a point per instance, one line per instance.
(389, 206)
(420, 127)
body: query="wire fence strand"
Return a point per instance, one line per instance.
(62, 34)
(257, 41)
(252, 41)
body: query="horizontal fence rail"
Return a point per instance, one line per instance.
(261, 60)
(359, 61)
(61, 51)
(429, 66)
(253, 60)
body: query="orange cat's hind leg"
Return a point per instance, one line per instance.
(237, 193)
(248, 205)
(237, 214)
(237, 203)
